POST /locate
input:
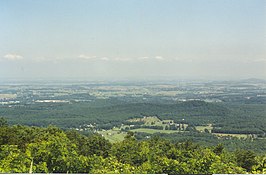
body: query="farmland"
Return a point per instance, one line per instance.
(220, 110)
(149, 123)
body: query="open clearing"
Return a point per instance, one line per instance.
(113, 135)
(202, 128)
(147, 120)
(244, 136)
(152, 131)
(116, 135)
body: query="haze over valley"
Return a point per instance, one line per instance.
(133, 86)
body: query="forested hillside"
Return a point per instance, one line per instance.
(228, 118)
(26, 149)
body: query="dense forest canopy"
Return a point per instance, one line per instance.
(248, 118)
(26, 149)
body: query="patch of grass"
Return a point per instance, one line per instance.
(147, 120)
(114, 135)
(152, 131)
(202, 128)
(168, 121)
(244, 136)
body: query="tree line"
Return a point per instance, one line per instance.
(26, 149)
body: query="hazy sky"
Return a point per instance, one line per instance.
(133, 38)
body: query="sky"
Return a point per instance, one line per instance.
(133, 39)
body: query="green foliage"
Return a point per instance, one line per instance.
(51, 150)
(13, 160)
(111, 165)
(260, 167)
(128, 151)
(3, 122)
(230, 118)
(226, 117)
(245, 159)
(231, 143)
(95, 144)
(218, 150)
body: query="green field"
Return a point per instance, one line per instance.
(148, 120)
(117, 136)
(113, 135)
(152, 131)
(244, 136)
(202, 128)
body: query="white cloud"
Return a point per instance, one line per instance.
(13, 57)
(52, 59)
(86, 57)
(121, 59)
(104, 58)
(159, 58)
(144, 58)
